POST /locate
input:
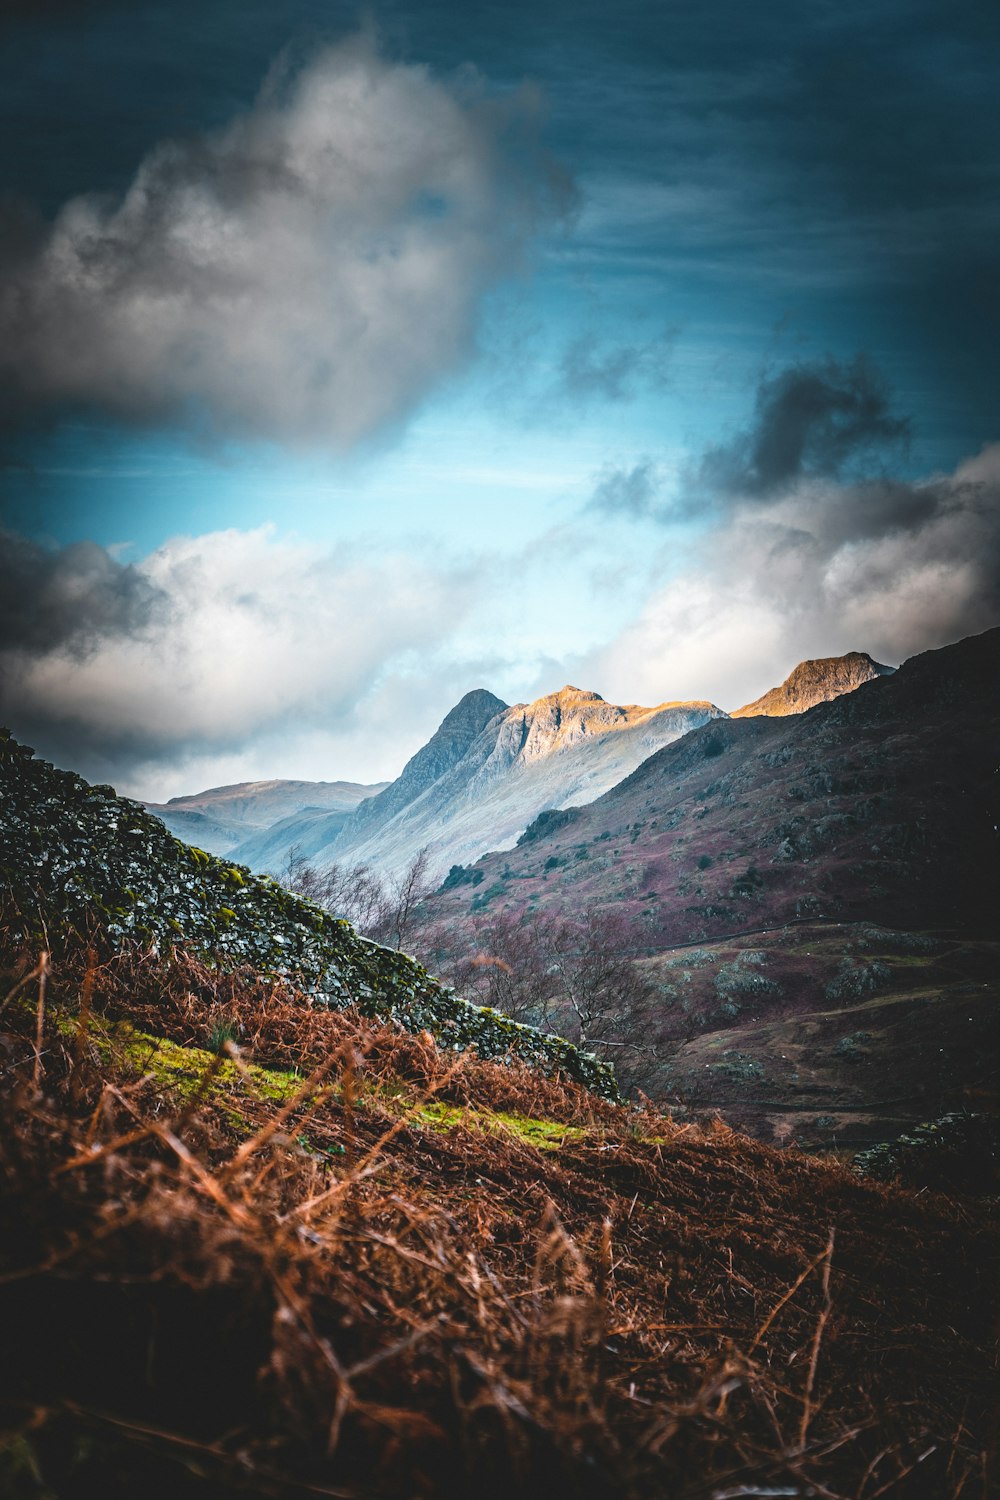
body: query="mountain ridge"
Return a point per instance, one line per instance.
(219, 819)
(565, 747)
(525, 758)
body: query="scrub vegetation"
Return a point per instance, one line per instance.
(326, 1257)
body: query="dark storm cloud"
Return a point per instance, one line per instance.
(811, 420)
(820, 568)
(309, 272)
(853, 149)
(70, 599)
(809, 544)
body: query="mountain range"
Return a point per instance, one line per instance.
(809, 884)
(482, 778)
(225, 818)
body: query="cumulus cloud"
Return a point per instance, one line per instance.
(213, 642)
(810, 420)
(306, 273)
(819, 569)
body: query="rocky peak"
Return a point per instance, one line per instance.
(460, 727)
(453, 737)
(816, 681)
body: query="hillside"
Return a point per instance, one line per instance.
(225, 818)
(248, 1247)
(814, 896)
(566, 747)
(817, 681)
(80, 866)
(881, 805)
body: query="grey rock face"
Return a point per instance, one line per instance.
(450, 742)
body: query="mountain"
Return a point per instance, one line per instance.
(303, 835)
(484, 775)
(224, 817)
(468, 792)
(813, 682)
(446, 748)
(881, 804)
(815, 894)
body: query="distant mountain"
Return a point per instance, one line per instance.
(222, 818)
(483, 776)
(302, 835)
(449, 744)
(468, 792)
(813, 682)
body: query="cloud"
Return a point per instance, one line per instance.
(821, 568)
(632, 492)
(810, 420)
(211, 644)
(69, 600)
(307, 273)
(591, 368)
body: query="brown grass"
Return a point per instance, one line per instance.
(214, 1292)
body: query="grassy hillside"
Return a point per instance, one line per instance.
(255, 1246)
(834, 1035)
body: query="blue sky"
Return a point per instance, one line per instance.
(353, 360)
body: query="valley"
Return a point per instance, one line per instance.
(796, 902)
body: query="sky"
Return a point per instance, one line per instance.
(352, 359)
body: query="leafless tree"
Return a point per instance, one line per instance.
(574, 976)
(379, 907)
(406, 893)
(502, 962)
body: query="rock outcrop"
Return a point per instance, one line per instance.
(812, 682)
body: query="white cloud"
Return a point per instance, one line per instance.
(306, 273)
(251, 639)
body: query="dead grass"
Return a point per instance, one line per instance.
(207, 1290)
